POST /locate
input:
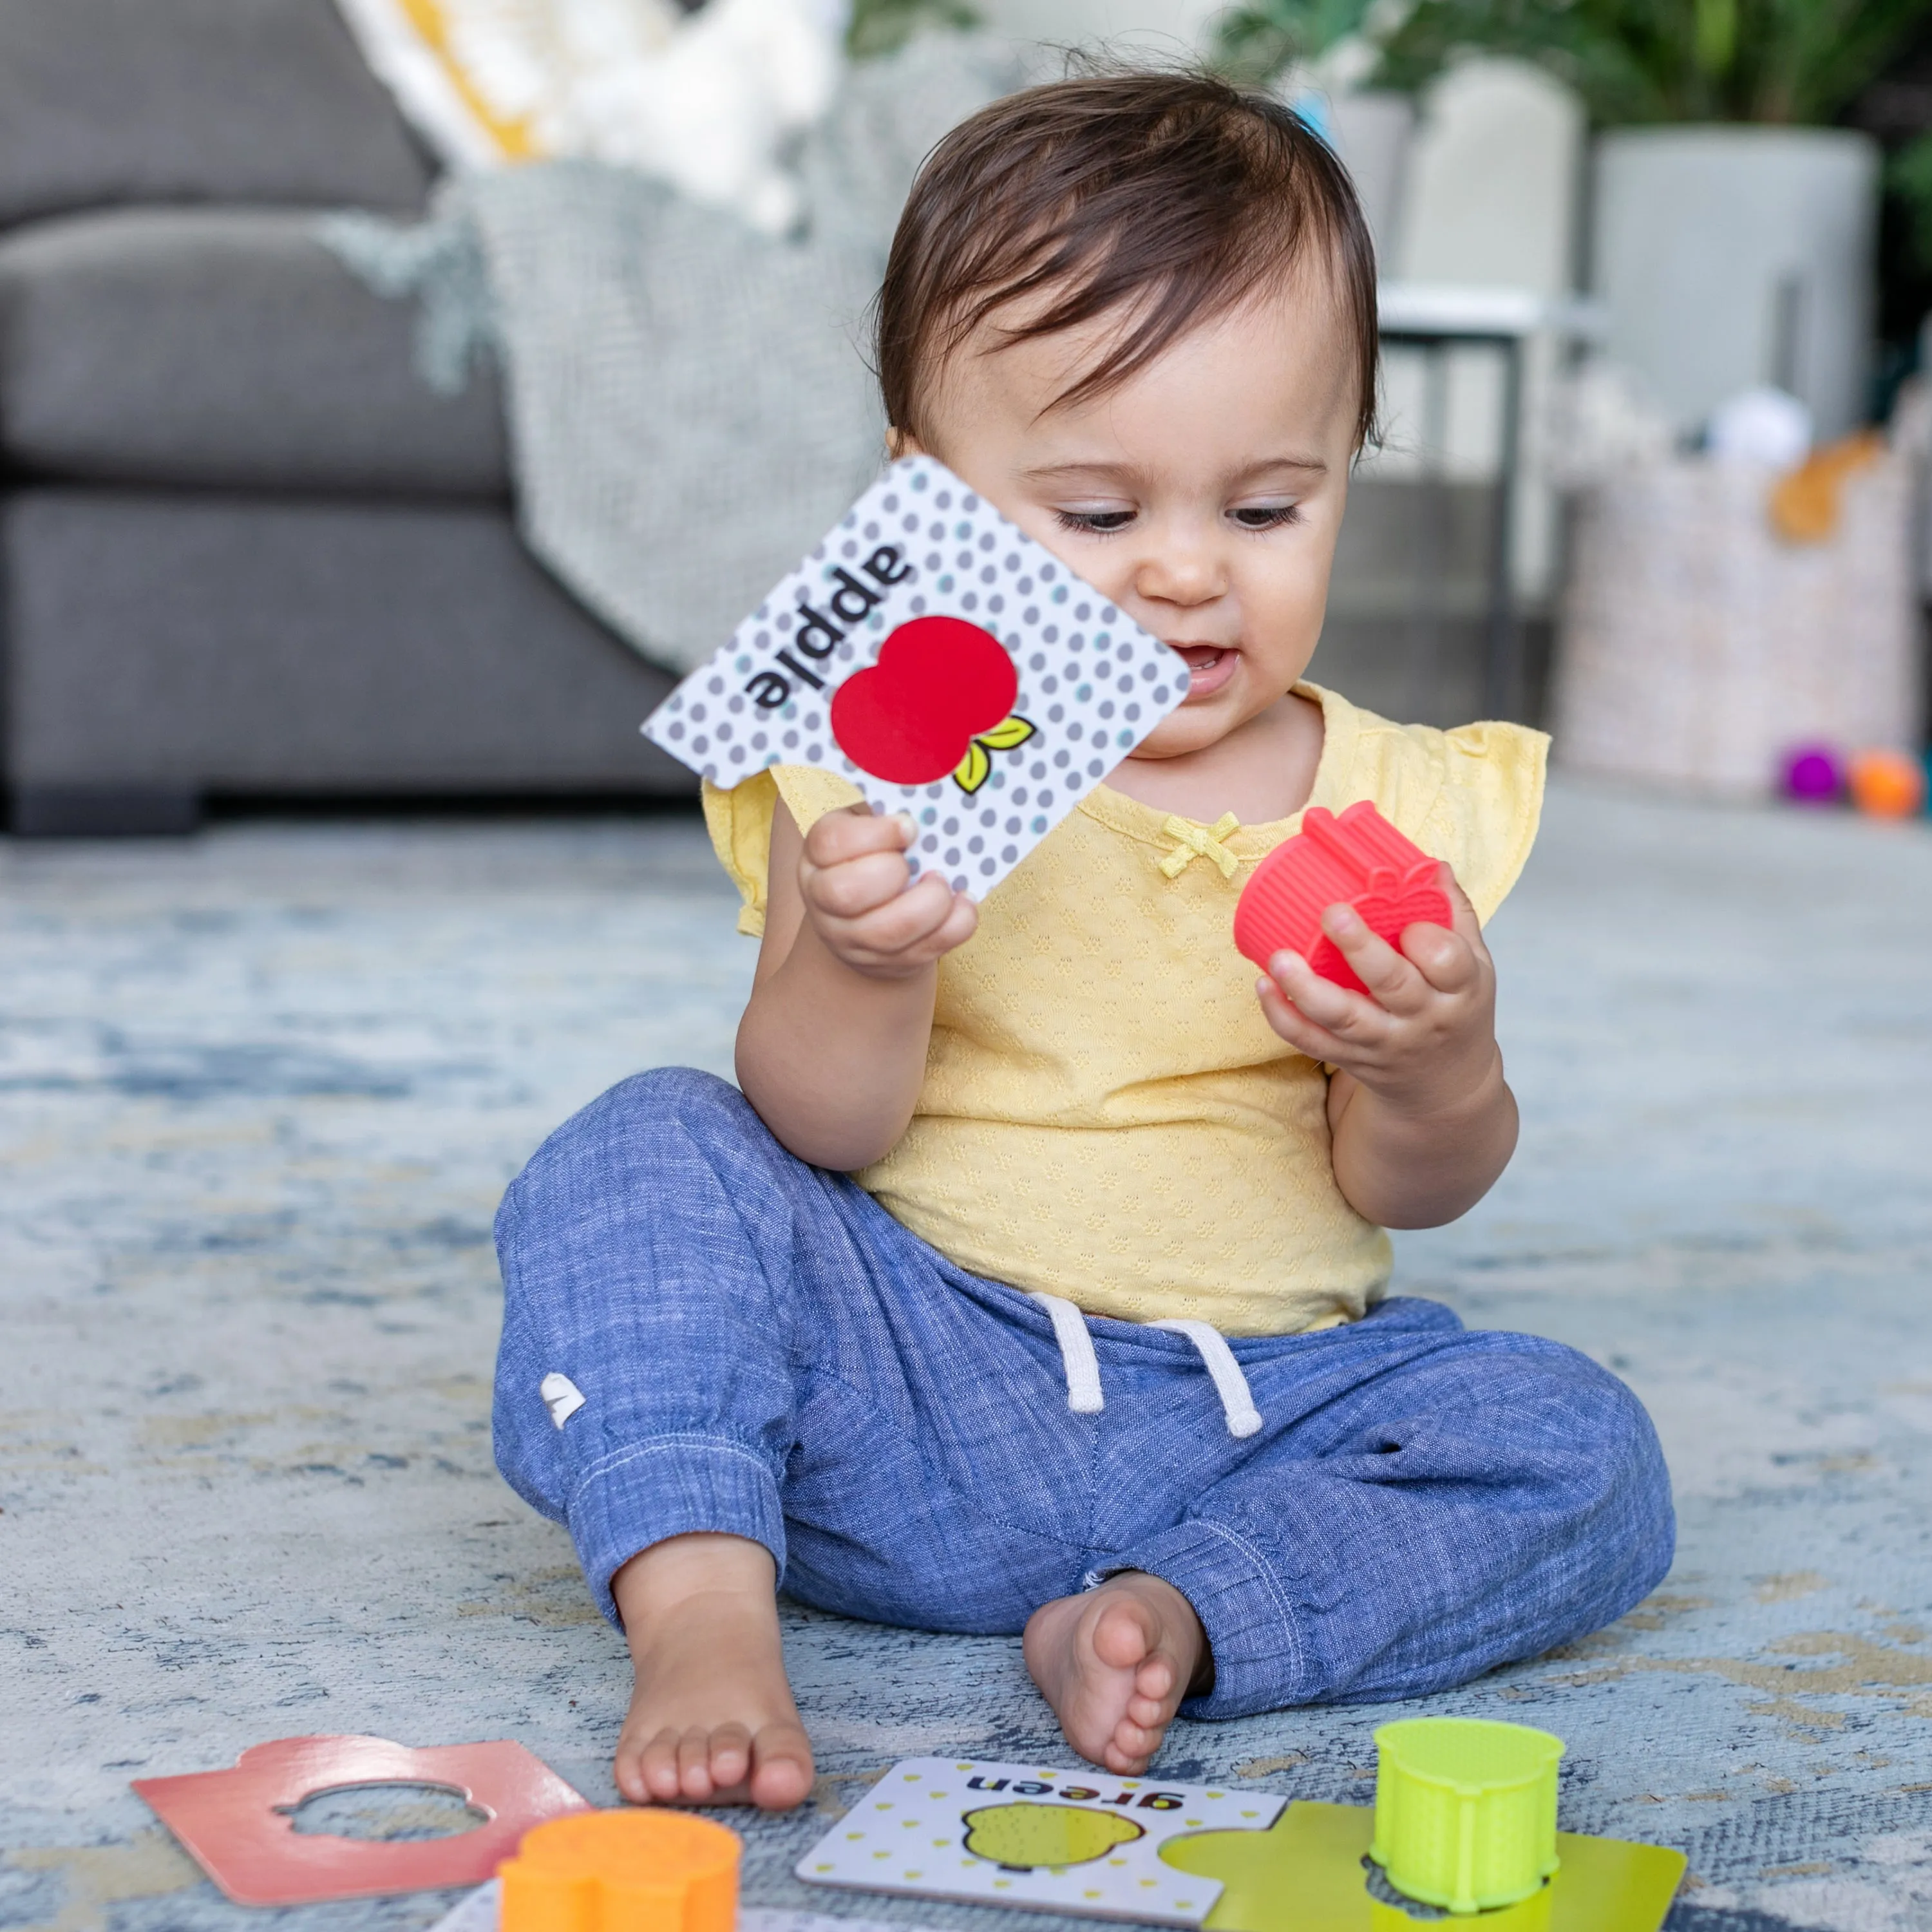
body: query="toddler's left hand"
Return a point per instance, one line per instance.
(1426, 1040)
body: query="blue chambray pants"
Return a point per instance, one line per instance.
(762, 1350)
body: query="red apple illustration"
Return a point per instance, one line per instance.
(940, 683)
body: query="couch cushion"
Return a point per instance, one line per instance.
(104, 101)
(198, 642)
(223, 347)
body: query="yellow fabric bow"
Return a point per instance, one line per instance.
(1196, 843)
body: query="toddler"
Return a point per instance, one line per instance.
(1032, 1278)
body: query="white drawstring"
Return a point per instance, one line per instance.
(1076, 1353)
(1237, 1403)
(1083, 1365)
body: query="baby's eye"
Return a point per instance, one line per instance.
(1096, 523)
(1267, 516)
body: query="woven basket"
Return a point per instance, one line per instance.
(1697, 647)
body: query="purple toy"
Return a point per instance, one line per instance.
(1814, 775)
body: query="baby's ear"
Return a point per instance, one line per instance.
(902, 442)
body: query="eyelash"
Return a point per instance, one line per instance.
(1101, 523)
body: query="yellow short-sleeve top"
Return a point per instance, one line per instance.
(1105, 1114)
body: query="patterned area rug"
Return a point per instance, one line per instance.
(259, 1093)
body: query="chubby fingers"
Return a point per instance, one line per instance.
(1314, 1014)
(1394, 984)
(838, 837)
(909, 930)
(1454, 960)
(853, 862)
(1289, 1019)
(853, 876)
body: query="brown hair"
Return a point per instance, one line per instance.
(1173, 196)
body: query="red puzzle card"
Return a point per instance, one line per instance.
(238, 1822)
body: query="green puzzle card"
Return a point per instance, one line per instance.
(1223, 1860)
(1305, 1874)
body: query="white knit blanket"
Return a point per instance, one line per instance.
(690, 406)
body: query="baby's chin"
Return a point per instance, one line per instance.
(1204, 721)
(1191, 728)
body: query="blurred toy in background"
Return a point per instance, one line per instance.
(1805, 502)
(1881, 781)
(1765, 426)
(1886, 783)
(1813, 775)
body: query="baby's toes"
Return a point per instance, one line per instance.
(629, 1770)
(781, 1767)
(657, 1768)
(1123, 1633)
(694, 1764)
(731, 1755)
(1154, 1682)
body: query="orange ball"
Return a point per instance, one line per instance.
(1887, 784)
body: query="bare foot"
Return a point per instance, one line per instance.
(712, 1720)
(1114, 1663)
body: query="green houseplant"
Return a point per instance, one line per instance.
(1732, 226)
(878, 27)
(1633, 62)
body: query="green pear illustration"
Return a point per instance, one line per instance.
(1022, 1837)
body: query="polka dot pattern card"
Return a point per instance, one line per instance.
(1082, 1842)
(945, 663)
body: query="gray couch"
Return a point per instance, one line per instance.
(244, 551)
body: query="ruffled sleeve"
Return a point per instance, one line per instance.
(1473, 795)
(740, 824)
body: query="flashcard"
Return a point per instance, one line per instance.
(943, 661)
(1080, 1842)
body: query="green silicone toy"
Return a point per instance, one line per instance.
(1466, 1810)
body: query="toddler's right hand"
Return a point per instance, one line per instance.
(852, 875)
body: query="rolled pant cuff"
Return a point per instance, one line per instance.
(670, 1485)
(1259, 1661)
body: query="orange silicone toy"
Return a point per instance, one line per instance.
(623, 1871)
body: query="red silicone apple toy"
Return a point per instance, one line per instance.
(1358, 858)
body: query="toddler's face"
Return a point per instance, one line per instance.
(1203, 496)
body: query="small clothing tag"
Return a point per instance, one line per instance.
(562, 1397)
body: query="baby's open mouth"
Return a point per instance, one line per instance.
(1208, 665)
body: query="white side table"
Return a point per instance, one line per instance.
(1436, 317)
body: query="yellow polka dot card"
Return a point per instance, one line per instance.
(1074, 1841)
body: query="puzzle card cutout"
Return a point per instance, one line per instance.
(1074, 1841)
(238, 1823)
(945, 663)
